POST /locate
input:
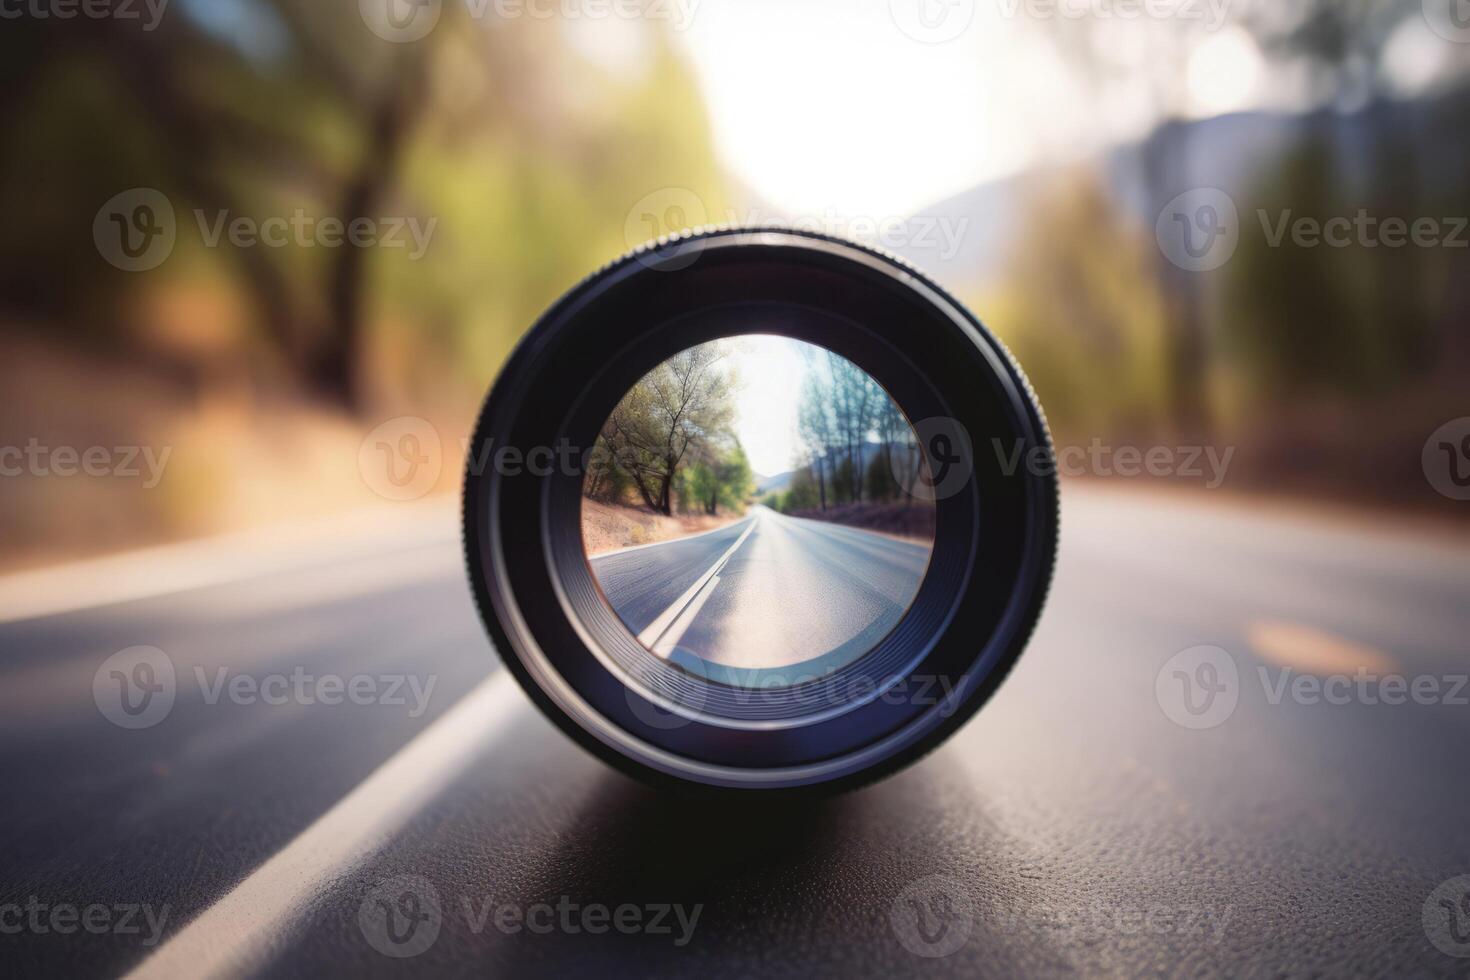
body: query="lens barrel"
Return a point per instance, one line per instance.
(985, 445)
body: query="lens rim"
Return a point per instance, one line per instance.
(848, 686)
(559, 637)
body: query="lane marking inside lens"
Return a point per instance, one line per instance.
(666, 643)
(236, 934)
(651, 636)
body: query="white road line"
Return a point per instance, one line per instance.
(239, 932)
(666, 643)
(377, 533)
(656, 629)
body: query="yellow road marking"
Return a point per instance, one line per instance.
(1310, 650)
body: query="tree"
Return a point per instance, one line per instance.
(720, 478)
(801, 494)
(1089, 44)
(523, 151)
(841, 410)
(372, 91)
(1339, 43)
(1084, 312)
(853, 402)
(671, 417)
(895, 437)
(816, 428)
(734, 477)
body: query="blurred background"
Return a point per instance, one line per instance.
(244, 235)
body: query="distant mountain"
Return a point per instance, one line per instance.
(1227, 152)
(782, 481)
(767, 484)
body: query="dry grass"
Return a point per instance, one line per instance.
(234, 460)
(606, 527)
(912, 522)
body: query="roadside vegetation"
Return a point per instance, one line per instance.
(669, 450)
(858, 459)
(1327, 364)
(608, 527)
(265, 367)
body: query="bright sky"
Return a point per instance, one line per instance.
(771, 371)
(820, 104)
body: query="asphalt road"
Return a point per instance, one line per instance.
(768, 591)
(1073, 827)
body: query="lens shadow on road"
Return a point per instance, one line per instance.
(786, 887)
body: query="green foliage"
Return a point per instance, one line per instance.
(1307, 321)
(1082, 310)
(670, 438)
(606, 481)
(720, 481)
(880, 483)
(848, 425)
(527, 156)
(801, 494)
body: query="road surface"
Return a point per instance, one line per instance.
(1074, 826)
(765, 592)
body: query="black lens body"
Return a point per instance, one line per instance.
(995, 514)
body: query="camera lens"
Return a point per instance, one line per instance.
(759, 509)
(750, 516)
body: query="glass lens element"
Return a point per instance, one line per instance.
(749, 512)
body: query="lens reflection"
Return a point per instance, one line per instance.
(750, 512)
